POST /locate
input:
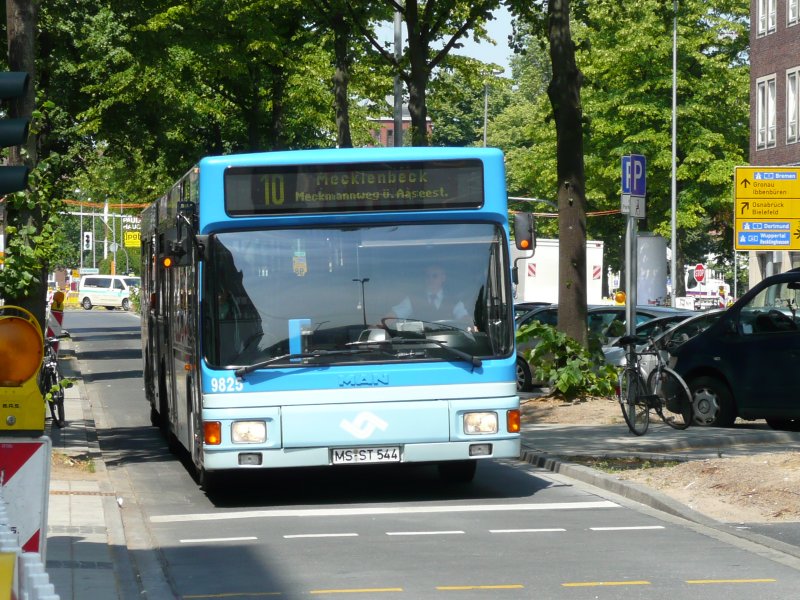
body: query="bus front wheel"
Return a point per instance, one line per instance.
(207, 480)
(458, 471)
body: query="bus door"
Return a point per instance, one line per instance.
(183, 311)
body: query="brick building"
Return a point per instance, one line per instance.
(774, 104)
(382, 129)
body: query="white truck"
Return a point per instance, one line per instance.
(538, 275)
(706, 288)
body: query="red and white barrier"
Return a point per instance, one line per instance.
(22, 574)
(25, 483)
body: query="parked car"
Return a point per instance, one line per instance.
(653, 330)
(600, 319)
(523, 308)
(746, 363)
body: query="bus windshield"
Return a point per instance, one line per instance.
(401, 292)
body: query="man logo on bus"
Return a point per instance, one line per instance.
(364, 425)
(364, 379)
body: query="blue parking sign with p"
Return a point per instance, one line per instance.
(634, 175)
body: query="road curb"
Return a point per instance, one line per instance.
(643, 495)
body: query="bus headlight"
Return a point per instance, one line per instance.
(480, 423)
(249, 432)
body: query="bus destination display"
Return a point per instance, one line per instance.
(363, 187)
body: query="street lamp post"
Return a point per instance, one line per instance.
(363, 303)
(674, 185)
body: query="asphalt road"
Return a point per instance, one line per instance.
(515, 532)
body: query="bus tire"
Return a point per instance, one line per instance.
(163, 407)
(458, 471)
(155, 418)
(207, 480)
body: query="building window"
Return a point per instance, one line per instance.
(792, 105)
(765, 116)
(767, 16)
(389, 138)
(792, 8)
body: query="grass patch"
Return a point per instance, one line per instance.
(616, 465)
(79, 462)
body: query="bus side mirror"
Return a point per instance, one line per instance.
(524, 239)
(525, 231)
(187, 219)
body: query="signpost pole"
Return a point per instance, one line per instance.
(634, 189)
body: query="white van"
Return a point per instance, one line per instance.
(111, 291)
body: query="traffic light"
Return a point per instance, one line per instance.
(87, 240)
(13, 132)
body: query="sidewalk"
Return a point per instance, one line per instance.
(80, 559)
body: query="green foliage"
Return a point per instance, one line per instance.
(456, 101)
(572, 370)
(136, 301)
(31, 236)
(622, 464)
(63, 384)
(624, 51)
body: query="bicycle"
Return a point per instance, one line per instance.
(51, 384)
(664, 389)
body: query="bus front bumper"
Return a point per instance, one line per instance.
(478, 449)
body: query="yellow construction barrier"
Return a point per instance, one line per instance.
(21, 350)
(8, 564)
(72, 300)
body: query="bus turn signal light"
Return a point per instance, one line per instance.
(212, 433)
(512, 421)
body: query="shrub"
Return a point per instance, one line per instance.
(572, 370)
(136, 300)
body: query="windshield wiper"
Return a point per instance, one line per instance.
(242, 371)
(465, 356)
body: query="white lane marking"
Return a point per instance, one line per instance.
(552, 530)
(636, 528)
(397, 510)
(295, 536)
(215, 540)
(455, 532)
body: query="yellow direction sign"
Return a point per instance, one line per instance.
(767, 208)
(133, 239)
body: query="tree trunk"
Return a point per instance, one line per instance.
(564, 93)
(278, 90)
(417, 81)
(341, 80)
(417, 89)
(21, 27)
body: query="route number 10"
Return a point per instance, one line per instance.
(274, 190)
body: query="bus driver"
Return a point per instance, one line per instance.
(432, 302)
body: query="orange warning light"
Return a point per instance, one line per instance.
(21, 351)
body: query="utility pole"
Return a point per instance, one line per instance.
(398, 84)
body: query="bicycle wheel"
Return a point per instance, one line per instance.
(56, 400)
(673, 396)
(632, 400)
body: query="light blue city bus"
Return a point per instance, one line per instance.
(284, 319)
